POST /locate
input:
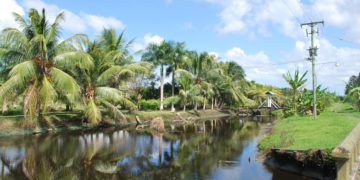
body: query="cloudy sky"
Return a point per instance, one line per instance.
(264, 36)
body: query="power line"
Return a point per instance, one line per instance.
(274, 64)
(291, 11)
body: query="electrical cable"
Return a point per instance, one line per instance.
(274, 64)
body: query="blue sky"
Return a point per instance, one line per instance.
(256, 34)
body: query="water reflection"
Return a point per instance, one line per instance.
(213, 149)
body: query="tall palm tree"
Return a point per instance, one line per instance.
(40, 75)
(176, 60)
(159, 56)
(296, 83)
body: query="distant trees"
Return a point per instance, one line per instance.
(352, 91)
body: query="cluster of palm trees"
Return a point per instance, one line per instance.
(201, 78)
(41, 71)
(45, 70)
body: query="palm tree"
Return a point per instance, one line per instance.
(189, 91)
(98, 83)
(176, 60)
(39, 75)
(199, 65)
(356, 91)
(159, 56)
(296, 84)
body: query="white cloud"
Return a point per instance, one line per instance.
(188, 25)
(255, 65)
(6, 9)
(342, 14)
(155, 39)
(141, 44)
(98, 23)
(77, 23)
(262, 69)
(238, 16)
(215, 54)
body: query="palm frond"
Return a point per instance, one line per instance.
(115, 71)
(25, 71)
(47, 92)
(65, 84)
(92, 112)
(108, 93)
(114, 110)
(71, 59)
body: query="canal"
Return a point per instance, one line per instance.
(209, 149)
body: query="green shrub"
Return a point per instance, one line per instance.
(151, 104)
(289, 112)
(278, 113)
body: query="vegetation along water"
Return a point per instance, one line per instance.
(82, 98)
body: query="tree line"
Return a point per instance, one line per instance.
(41, 72)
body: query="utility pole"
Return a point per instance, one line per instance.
(313, 53)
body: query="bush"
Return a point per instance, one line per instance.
(151, 104)
(289, 112)
(278, 113)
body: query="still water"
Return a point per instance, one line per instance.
(211, 149)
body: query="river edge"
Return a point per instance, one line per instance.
(312, 163)
(17, 130)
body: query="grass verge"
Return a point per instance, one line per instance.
(302, 132)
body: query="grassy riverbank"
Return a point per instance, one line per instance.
(302, 132)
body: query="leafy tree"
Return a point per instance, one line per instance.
(296, 83)
(42, 59)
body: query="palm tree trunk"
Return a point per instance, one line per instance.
(184, 106)
(216, 104)
(173, 89)
(37, 111)
(212, 102)
(162, 88)
(295, 108)
(196, 105)
(67, 107)
(204, 104)
(4, 108)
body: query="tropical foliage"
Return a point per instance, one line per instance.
(41, 72)
(352, 91)
(297, 84)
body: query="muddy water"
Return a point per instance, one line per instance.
(212, 149)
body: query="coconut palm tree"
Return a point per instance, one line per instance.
(40, 75)
(296, 83)
(159, 56)
(199, 65)
(189, 91)
(98, 83)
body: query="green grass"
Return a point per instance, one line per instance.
(302, 132)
